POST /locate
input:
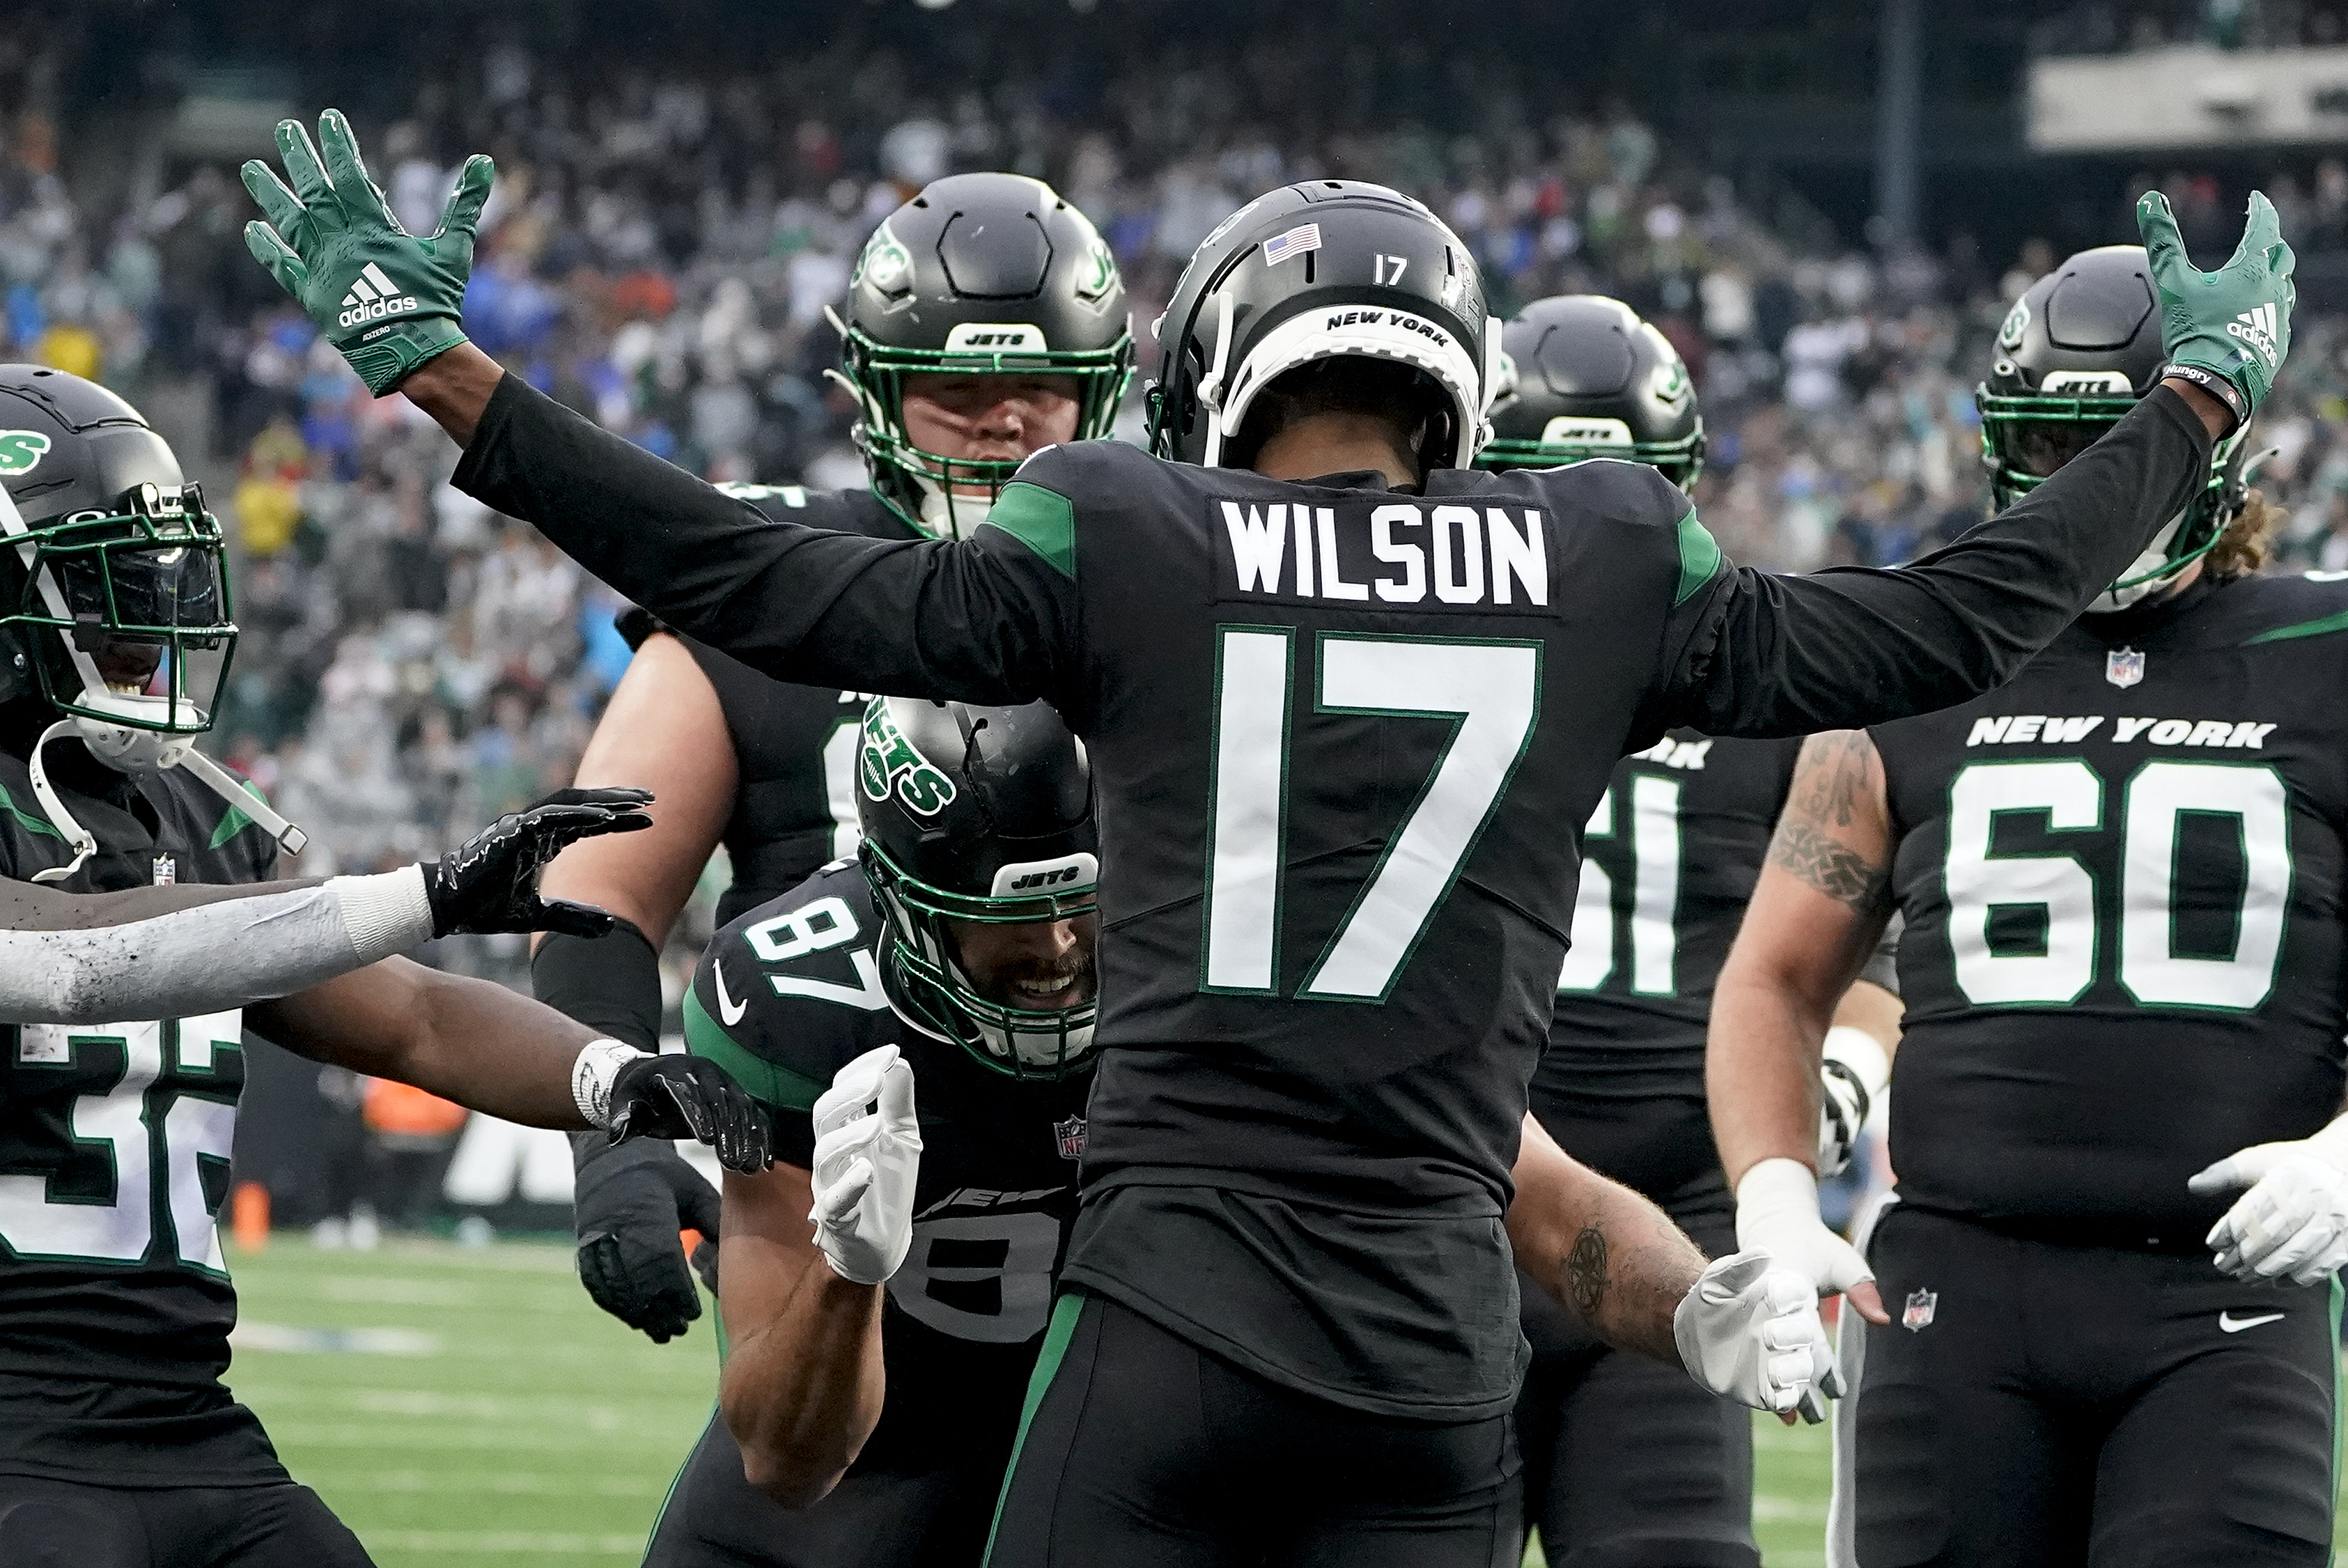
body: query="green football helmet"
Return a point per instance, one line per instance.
(980, 815)
(2078, 350)
(984, 273)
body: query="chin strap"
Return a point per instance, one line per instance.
(80, 840)
(229, 787)
(219, 779)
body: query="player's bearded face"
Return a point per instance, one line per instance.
(1043, 965)
(996, 417)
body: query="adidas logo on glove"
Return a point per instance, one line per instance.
(2257, 328)
(374, 296)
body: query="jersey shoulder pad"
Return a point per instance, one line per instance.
(1067, 467)
(2290, 607)
(790, 993)
(1612, 491)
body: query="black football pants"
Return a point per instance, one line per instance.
(1140, 1449)
(1630, 1463)
(2037, 1405)
(72, 1525)
(872, 1519)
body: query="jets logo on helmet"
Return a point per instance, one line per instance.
(20, 450)
(889, 758)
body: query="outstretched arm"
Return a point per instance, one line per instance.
(490, 1049)
(1761, 654)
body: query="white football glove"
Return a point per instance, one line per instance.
(865, 1167)
(1749, 1331)
(1778, 1213)
(2292, 1224)
(1852, 1075)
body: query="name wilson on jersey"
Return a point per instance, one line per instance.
(1400, 552)
(2049, 729)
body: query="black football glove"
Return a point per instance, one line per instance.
(490, 883)
(686, 1097)
(629, 1204)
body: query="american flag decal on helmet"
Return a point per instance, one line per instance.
(1295, 242)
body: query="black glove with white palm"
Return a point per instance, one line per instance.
(490, 883)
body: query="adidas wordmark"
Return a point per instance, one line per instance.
(2257, 328)
(374, 296)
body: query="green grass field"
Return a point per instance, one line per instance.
(503, 1422)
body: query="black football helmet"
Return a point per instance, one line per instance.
(2077, 351)
(1322, 270)
(986, 274)
(114, 597)
(1582, 376)
(976, 814)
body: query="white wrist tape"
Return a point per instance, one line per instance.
(1772, 1193)
(1863, 1054)
(592, 1075)
(385, 915)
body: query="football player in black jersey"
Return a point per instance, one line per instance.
(1348, 703)
(963, 944)
(876, 1421)
(1626, 1461)
(2121, 876)
(985, 319)
(118, 1446)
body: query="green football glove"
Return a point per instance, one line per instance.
(388, 300)
(2228, 330)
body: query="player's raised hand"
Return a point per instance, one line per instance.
(2293, 1222)
(386, 299)
(1778, 1213)
(1748, 1329)
(867, 1157)
(490, 883)
(2226, 331)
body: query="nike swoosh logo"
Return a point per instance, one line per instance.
(729, 1011)
(2228, 1324)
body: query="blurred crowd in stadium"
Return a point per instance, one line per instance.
(660, 253)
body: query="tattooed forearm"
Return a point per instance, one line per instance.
(1585, 1272)
(1831, 801)
(1835, 870)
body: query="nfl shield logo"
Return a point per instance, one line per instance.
(2124, 667)
(1919, 1310)
(167, 870)
(1071, 1134)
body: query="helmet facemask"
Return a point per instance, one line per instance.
(923, 973)
(2026, 438)
(947, 497)
(1572, 440)
(124, 616)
